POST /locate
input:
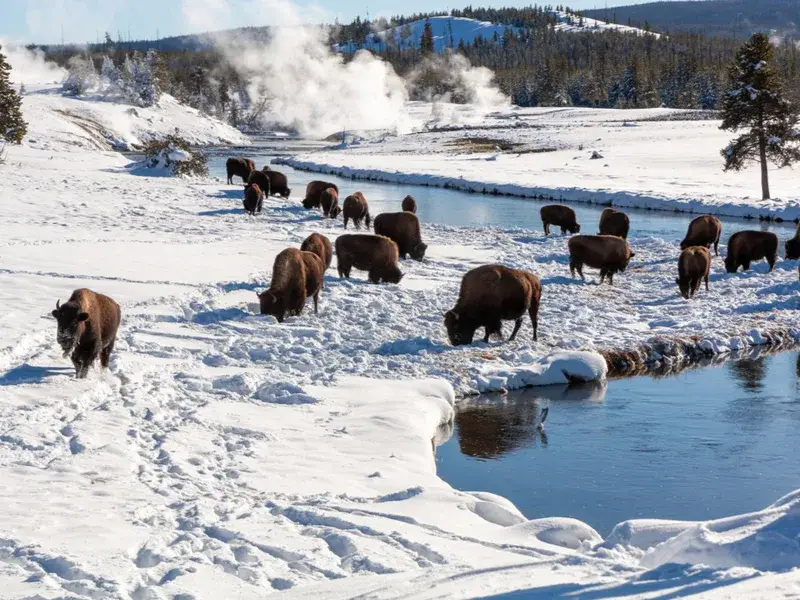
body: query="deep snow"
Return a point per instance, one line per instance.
(224, 455)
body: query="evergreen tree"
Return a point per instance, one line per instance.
(82, 76)
(12, 126)
(755, 103)
(109, 73)
(426, 43)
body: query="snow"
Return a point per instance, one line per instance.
(226, 456)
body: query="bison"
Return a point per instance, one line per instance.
(409, 204)
(355, 207)
(793, 246)
(375, 254)
(490, 295)
(703, 231)
(560, 215)
(609, 253)
(278, 183)
(253, 199)
(329, 200)
(296, 276)
(87, 328)
(614, 222)
(745, 247)
(319, 245)
(262, 181)
(403, 228)
(239, 167)
(694, 266)
(314, 191)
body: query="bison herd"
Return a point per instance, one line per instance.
(489, 295)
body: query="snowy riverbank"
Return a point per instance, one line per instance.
(660, 159)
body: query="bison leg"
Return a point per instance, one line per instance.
(517, 325)
(316, 303)
(345, 221)
(716, 247)
(611, 277)
(105, 355)
(771, 261)
(533, 311)
(746, 265)
(602, 276)
(706, 278)
(563, 231)
(546, 227)
(374, 275)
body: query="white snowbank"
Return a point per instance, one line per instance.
(552, 369)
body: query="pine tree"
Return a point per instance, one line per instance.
(755, 103)
(82, 76)
(109, 73)
(426, 43)
(12, 126)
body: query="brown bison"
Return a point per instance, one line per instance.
(403, 228)
(490, 295)
(409, 204)
(694, 266)
(314, 192)
(278, 183)
(745, 247)
(375, 254)
(329, 201)
(703, 231)
(319, 245)
(560, 215)
(239, 167)
(262, 181)
(609, 253)
(355, 207)
(614, 222)
(253, 199)
(87, 328)
(793, 246)
(296, 276)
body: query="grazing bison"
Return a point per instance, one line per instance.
(745, 247)
(329, 200)
(703, 231)
(262, 181)
(490, 295)
(314, 192)
(278, 183)
(609, 253)
(319, 245)
(355, 207)
(296, 276)
(253, 198)
(375, 254)
(403, 228)
(409, 204)
(793, 246)
(560, 215)
(694, 266)
(239, 167)
(87, 328)
(614, 222)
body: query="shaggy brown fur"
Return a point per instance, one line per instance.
(694, 266)
(403, 228)
(239, 167)
(355, 207)
(329, 200)
(87, 328)
(278, 183)
(253, 199)
(409, 204)
(609, 253)
(319, 245)
(560, 215)
(703, 231)
(314, 192)
(262, 181)
(296, 276)
(490, 295)
(793, 246)
(745, 247)
(614, 222)
(373, 253)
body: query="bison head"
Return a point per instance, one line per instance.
(418, 251)
(683, 286)
(575, 228)
(392, 275)
(271, 305)
(792, 249)
(459, 330)
(69, 318)
(731, 266)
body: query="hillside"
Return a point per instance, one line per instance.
(736, 18)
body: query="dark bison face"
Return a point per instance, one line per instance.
(730, 264)
(286, 193)
(792, 249)
(575, 229)
(459, 332)
(393, 275)
(271, 305)
(683, 286)
(418, 251)
(69, 318)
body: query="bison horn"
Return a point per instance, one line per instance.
(58, 304)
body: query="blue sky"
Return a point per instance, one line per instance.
(42, 21)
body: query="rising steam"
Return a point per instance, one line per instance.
(29, 68)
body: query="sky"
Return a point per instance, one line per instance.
(42, 21)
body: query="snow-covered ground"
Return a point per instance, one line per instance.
(663, 159)
(227, 456)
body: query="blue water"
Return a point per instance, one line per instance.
(456, 208)
(704, 444)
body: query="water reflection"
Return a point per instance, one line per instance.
(750, 373)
